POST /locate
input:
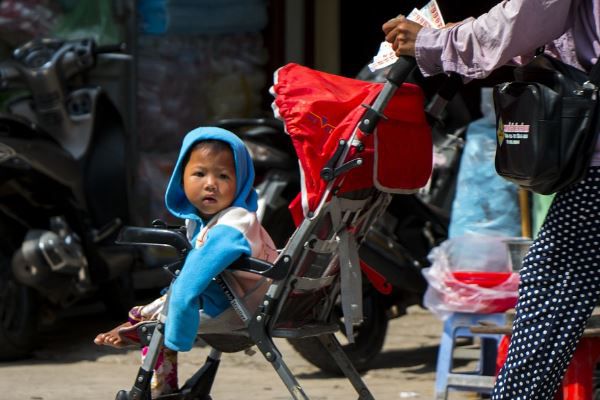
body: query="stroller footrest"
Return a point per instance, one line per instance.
(146, 329)
(306, 330)
(227, 343)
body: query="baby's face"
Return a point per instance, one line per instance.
(209, 180)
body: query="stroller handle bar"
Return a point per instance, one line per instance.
(395, 77)
(401, 69)
(175, 238)
(257, 266)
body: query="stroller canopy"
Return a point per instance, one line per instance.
(319, 109)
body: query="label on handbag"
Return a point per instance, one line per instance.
(512, 132)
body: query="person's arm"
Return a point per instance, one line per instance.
(224, 244)
(475, 47)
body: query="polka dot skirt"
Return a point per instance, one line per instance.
(560, 285)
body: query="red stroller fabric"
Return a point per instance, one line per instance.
(319, 109)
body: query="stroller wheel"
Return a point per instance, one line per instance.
(368, 339)
(122, 395)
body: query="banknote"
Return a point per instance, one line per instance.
(420, 18)
(429, 15)
(431, 12)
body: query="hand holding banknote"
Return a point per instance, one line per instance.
(401, 33)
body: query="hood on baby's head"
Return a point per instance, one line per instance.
(245, 195)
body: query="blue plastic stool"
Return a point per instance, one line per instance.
(480, 380)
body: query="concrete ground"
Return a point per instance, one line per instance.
(70, 366)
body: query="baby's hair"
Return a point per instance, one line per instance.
(213, 145)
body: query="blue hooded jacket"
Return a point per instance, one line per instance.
(194, 288)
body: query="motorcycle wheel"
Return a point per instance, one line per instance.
(368, 338)
(19, 311)
(118, 296)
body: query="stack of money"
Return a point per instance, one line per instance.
(429, 16)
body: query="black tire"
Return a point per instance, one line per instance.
(368, 339)
(19, 311)
(118, 296)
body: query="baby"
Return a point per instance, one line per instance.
(211, 188)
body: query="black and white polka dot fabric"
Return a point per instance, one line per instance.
(560, 285)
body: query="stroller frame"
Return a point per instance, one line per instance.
(318, 265)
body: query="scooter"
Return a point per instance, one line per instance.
(395, 249)
(64, 179)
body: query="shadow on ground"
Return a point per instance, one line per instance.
(423, 359)
(70, 337)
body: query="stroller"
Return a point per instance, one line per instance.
(352, 157)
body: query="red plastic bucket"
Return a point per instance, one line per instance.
(483, 279)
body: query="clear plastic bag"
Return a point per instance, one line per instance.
(470, 273)
(484, 201)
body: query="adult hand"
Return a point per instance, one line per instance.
(402, 34)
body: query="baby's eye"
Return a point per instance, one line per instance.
(199, 173)
(224, 176)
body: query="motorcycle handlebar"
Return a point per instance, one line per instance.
(111, 48)
(83, 55)
(236, 123)
(69, 57)
(436, 108)
(135, 235)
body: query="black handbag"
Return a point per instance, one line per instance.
(547, 124)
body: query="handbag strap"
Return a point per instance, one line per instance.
(594, 76)
(595, 73)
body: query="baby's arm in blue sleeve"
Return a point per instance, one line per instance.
(223, 245)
